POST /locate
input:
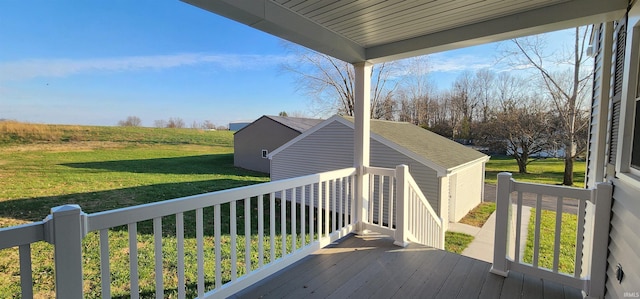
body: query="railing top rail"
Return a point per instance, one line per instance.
(21, 235)
(380, 171)
(108, 219)
(553, 190)
(543, 189)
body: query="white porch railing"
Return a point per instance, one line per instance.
(594, 207)
(412, 219)
(324, 213)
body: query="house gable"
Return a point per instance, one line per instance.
(253, 142)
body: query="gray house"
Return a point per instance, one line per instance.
(614, 144)
(448, 173)
(255, 141)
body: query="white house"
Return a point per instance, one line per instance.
(450, 175)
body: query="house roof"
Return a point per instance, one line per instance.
(297, 124)
(383, 30)
(442, 154)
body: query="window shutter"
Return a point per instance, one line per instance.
(618, 72)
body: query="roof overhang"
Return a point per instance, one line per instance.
(383, 30)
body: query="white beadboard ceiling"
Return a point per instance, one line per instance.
(382, 30)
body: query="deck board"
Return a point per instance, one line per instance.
(370, 266)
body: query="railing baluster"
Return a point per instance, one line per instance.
(391, 205)
(334, 198)
(371, 199)
(327, 210)
(247, 235)
(26, 277)
(340, 204)
(303, 218)
(580, 239)
(157, 251)
(133, 259)
(294, 236)
(233, 228)
(536, 238)
(283, 223)
(260, 230)
(380, 200)
(105, 271)
(352, 198)
(200, 248)
(180, 245)
(518, 226)
(218, 244)
(558, 233)
(272, 227)
(312, 197)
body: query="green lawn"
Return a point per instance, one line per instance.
(456, 242)
(479, 215)
(137, 166)
(544, 171)
(547, 238)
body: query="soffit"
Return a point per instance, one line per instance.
(382, 30)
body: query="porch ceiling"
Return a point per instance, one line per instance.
(382, 30)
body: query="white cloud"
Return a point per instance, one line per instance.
(27, 69)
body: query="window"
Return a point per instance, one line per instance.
(635, 148)
(265, 153)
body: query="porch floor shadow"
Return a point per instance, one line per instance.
(370, 266)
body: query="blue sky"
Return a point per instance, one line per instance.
(97, 62)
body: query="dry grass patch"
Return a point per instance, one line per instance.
(479, 215)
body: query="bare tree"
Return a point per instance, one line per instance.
(566, 79)
(131, 121)
(522, 126)
(175, 122)
(330, 82)
(414, 91)
(159, 123)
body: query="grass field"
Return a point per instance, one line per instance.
(544, 171)
(102, 168)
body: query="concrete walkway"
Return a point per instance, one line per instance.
(481, 247)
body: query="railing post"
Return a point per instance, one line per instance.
(602, 219)
(361, 199)
(502, 235)
(401, 238)
(66, 227)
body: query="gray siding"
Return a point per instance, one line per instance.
(249, 142)
(331, 148)
(624, 244)
(425, 177)
(595, 166)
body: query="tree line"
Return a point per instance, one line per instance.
(538, 106)
(172, 122)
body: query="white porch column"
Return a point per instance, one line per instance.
(362, 118)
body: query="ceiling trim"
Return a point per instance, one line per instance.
(541, 20)
(269, 16)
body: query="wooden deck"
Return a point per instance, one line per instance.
(371, 266)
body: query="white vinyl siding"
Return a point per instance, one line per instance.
(468, 185)
(624, 241)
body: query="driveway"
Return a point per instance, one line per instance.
(529, 199)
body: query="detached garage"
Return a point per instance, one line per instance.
(255, 141)
(450, 175)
